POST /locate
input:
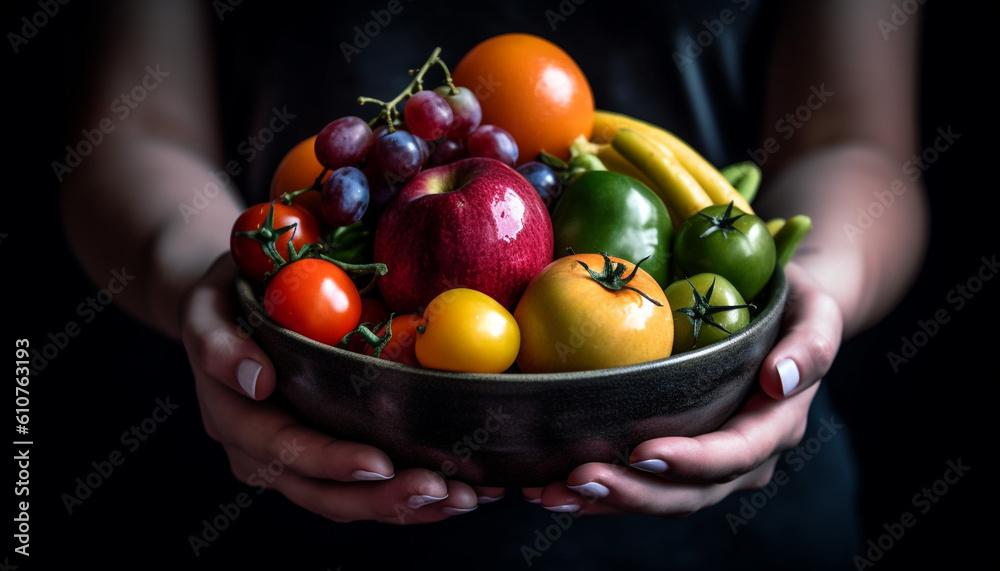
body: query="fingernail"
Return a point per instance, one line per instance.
(565, 508)
(788, 372)
(654, 466)
(247, 373)
(533, 501)
(417, 501)
(488, 499)
(366, 475)
(457, 511)
(592, 489)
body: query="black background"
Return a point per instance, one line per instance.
(906, 425)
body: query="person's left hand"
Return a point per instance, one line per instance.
(677, 476)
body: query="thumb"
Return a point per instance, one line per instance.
(811, 334)
(215, 345)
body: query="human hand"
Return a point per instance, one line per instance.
(340, 480)
(677, 476)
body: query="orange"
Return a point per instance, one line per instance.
(297, 170)
(531, 88)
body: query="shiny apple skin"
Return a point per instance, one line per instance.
(474, 223)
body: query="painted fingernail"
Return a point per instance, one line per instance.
(533, 501)
(457, 511)
(417, 501)
(564, 508)
(788, 372)
(247, 373)
(366, 475)
(592, 489)
(488, 499)
(654, 466)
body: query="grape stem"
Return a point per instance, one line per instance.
(389, 112)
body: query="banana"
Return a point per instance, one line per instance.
(680, 192)
(719, 190)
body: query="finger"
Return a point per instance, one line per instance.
(408, 498)
(608, 489)
(761, 428)
(557, 497)
(215, 345)
(811, 335)
(487, 494)
(532, 495)
(269, 434)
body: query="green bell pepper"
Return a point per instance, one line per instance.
(604, 211)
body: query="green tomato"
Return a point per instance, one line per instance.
(706, 308)
(724, 240)
(604, 211)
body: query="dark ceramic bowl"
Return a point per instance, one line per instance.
(514, 430)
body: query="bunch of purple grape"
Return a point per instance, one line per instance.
(368, 166)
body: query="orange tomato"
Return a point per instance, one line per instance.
(570, 322)
(533, 89)
(297, 170)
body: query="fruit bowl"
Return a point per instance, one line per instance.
(513, 429)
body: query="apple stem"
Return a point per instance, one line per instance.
(389, 112)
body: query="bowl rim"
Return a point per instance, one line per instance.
(777, 286)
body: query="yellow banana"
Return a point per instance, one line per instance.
(679, 191)
(719, 190)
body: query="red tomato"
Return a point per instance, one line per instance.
(402, 347)
(249, 253)
(315, 298)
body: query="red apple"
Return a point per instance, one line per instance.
(474, 223)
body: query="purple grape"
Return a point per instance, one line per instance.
(343, 142)
(447, 151)
(428, 115)
(466, 111)
(345, 196)
(493, 142)
(400, 153)
(544, 179)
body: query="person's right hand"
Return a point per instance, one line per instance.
(342, 481)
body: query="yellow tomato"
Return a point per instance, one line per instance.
(467, 331)
(569, 321)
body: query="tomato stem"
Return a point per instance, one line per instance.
(267, 235)
(611, 276)
(702, 310)
(376, 342)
